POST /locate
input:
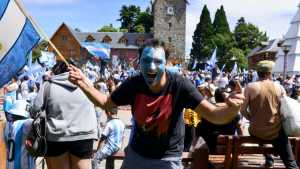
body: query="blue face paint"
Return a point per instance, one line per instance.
(152, 64)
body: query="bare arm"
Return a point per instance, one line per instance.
(220, 115)
(244, 109)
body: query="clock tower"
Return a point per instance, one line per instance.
(169, 24)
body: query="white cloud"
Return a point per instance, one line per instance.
(272, 16)
(50, 2)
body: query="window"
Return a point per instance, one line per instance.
(64, 38)
(123, 40)
(170, 39)
(140, 41)
(72, 52)
(106, 39)
(90, 38)
(170, 26)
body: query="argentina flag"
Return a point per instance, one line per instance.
(17, 38)
(100, 50)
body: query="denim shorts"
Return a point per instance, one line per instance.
(134, 161)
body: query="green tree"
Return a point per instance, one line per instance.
(248, 36)
(202, 39)
(224, 43)
(146, 20)
(235, 55)
(220, 23)
(223, 38)
(36, 51)
(108, 28)
(0, 46)
(128, 17)
(123, 30)
(139, 28)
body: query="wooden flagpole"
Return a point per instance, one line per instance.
(40, 31)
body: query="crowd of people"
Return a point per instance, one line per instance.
(159, 95)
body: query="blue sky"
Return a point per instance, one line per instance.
(272, 16)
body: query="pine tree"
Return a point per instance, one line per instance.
(223, 38)
(202, 40)
(220, 24)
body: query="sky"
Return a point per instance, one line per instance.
(272, 16)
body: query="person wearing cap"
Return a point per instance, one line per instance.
(262, 109)
(16, 129)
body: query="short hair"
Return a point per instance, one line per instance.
(155, 43)
(263, 74)
(219, 98)
(61, 67)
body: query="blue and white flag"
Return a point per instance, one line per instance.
(194, 64)
(17, 37)
(48, 58)
(100, 50)
(234, 69)
(212, 61)
(223, 67)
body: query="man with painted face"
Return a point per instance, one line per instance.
(157, 98)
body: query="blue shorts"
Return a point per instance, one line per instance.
(134, 161)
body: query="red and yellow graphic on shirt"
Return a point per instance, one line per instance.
(153, 114)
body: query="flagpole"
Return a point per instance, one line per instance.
(40, 31)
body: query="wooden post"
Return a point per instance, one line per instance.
(200, 155)
(2, 146)
(110, 163)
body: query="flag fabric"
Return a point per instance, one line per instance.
(194, 64)
(234, 69)
(48, 58)
(223, 67)
(99, 50)
(212, 61)
(17, 38)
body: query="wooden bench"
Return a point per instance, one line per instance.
(198, 154)
(245, 145)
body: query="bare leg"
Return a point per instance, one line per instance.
(59, 162)
(77, 163)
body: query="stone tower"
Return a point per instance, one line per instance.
(169, 24)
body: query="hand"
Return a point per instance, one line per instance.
(235, 99)
(77, 77)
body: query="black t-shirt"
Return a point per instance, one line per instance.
(159, 126)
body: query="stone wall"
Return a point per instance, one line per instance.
(171, 28)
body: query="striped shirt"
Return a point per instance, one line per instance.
(19, 129)
(114, 132)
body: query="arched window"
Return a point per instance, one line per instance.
(90, 38)
(140, 41)
(123, 40)
(106, 39)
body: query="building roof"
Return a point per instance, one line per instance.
(270, 46)
(115, 36)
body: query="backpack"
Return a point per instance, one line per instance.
(36, 142)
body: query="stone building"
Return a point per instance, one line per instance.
(170, 23)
